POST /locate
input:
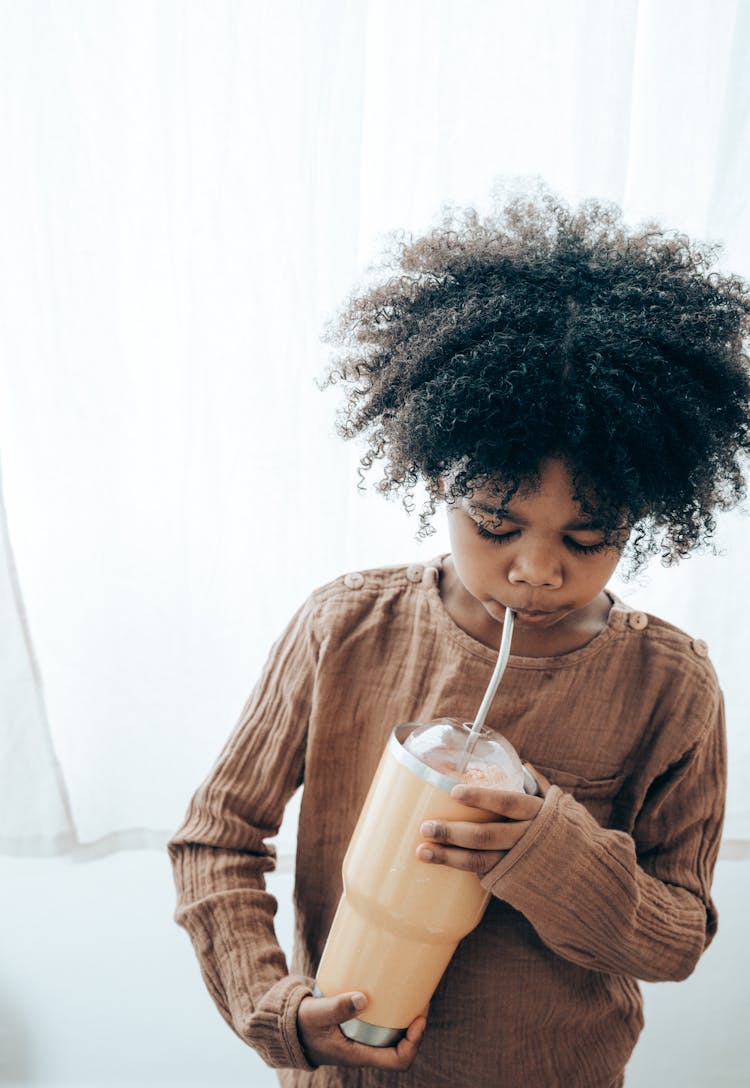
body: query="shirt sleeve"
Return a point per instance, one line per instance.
(626, 904)
(219, 854)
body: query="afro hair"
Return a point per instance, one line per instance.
(486, 345)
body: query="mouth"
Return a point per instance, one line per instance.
(524, 615)
(535, 615)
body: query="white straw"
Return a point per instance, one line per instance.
(489, 695)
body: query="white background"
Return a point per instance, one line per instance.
(188, 191)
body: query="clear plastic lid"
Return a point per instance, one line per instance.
(494, 761)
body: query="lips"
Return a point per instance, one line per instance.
(534, 615)
(524, 615)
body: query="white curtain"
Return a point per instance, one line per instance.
(188, 191)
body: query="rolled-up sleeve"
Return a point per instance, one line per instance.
(637, 904)
(220, 854)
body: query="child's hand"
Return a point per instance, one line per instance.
(478, 847)
(318, 1020)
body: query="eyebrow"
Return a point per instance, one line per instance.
(506, 514)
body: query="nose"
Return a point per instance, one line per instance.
(537, 568)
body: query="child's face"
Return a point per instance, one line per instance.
(541, 556)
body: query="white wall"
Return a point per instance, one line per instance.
(99, 988)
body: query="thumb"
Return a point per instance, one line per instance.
(335, 1010)
(543, 783)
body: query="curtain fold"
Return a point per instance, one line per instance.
(190, 191)
(35, 816)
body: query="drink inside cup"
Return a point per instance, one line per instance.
(493, 762)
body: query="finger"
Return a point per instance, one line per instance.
(397, 1058)
(406, 1050)
(471, 836)
(326, 1044)
(329, 1012)
(470, 861)
(508, 803)
(544, 783)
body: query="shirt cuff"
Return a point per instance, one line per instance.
(272, 1028)
(496, 879)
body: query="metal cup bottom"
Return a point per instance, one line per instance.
(369, 1034)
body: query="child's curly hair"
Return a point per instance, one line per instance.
(544, 331)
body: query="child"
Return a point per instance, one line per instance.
(575, 392)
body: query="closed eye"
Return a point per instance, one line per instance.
(496, 538)
(505, 538)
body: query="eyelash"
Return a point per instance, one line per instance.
(505, 538)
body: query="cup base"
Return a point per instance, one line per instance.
(370, 1034)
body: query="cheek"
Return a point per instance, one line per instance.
(466, 544)
(463, 535)
(599, 573)
(610, 566)
(479, 563)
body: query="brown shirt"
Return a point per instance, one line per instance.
(610, 884)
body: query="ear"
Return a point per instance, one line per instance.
(441, 487)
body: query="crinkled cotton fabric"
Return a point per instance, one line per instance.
(610, 884)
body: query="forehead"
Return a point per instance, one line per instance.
(551, 496)
(552, 485)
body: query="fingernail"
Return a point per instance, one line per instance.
(458, 792)
(359, 1001)
(428, 829)
(425, 853)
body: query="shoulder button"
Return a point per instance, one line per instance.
(638, 620)
(414, 572)
(355, 580)
(700, 647)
